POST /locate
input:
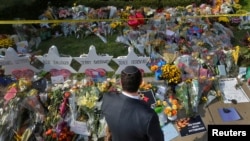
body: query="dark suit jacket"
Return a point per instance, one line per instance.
(130, 119)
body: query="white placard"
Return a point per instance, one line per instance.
(94, 61)
(12, 61)
(79, 127)
(227, 86)
(132, 59)
(57, 79)
(53, 60)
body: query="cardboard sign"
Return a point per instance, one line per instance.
(132, 59)
(227, 86)
(93, 61)
(192, 125)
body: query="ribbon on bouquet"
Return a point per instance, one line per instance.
(23, 73)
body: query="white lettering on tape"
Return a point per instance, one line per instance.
(216, 132)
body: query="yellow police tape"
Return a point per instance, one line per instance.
(104, 20)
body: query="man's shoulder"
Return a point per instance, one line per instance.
(110, 95)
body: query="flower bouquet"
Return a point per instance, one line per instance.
(172, 108)
(182, 93)
(159, 109)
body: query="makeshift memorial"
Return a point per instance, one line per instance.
(12, 61)
(132, 59)
(88, 109)
(63, 108)
(93, 61)
(21, 100)
(53, 60)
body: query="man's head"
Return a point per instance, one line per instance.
(131, 78)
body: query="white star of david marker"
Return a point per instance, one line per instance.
(93, 61)
(132, 59)
(52, 60)
(12, 61)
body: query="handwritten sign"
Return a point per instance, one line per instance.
(53, 60)
(227, 86)
(94, 61)
(132, 59)
(12, 61)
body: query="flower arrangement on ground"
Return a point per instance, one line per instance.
(172, 108)
(171, 73)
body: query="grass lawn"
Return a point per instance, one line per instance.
(76, 47)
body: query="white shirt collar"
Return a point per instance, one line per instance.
(131, 96)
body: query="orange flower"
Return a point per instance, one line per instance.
(174, 112)
(172, 109)
(174, 102)
(154, 68)
(48, 132)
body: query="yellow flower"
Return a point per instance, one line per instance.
(171, 73)
(223, 19)
(175, 107)
(235, 54)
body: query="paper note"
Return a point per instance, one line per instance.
(228, 114)
(57, 79)
(229, 90)
(169, 132)
(79, 127)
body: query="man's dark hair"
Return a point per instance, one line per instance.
(131, 78)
